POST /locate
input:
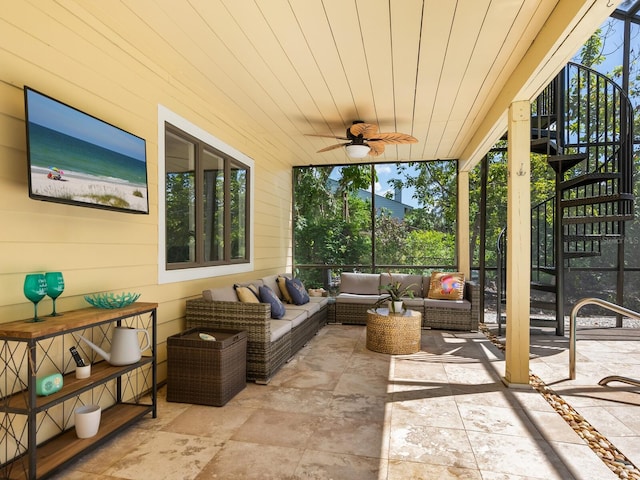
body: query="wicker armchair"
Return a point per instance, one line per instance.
(264, 357)
(444, 315)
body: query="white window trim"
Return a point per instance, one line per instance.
(186, 274)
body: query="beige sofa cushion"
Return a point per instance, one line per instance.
(271, 282)
(279, 328)
(406, 279)
(453, 304)
(358, 298)
(360, 283)
(221, 294)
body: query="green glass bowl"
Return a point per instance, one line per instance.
(112, 300)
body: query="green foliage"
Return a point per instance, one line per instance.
(180, 195)
(333, 224)
(390, 237)
(436, 191)
(431, 248)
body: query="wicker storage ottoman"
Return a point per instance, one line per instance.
(207, 372)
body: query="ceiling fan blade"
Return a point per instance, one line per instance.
(367, 130)
(324, 136)
(332, 147)
(394, 138)
(376, 148)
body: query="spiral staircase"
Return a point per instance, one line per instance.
(582, 122)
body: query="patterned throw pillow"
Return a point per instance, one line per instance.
(447, 286)
(284, 292)
(297, 292)
(246, 294)
(268, 296)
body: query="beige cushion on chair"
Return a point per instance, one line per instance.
(405, 280)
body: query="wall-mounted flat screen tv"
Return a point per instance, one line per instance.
(77, 159)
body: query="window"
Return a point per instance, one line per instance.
(205, 208)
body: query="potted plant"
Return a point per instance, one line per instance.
(396, 292)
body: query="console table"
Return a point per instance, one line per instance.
(38, 434)
(395, 334)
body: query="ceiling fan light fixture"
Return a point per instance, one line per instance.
(357, 151)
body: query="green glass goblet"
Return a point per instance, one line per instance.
(35, 288)
(55, 287)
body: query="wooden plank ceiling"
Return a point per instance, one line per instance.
(279, 69)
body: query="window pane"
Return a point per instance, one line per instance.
(213, 208)
(238, 212)
(180, 195)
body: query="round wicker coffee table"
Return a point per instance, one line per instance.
(393, 334)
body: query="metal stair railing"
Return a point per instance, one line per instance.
(572, 336)
(592, 116)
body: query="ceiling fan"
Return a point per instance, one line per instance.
(364, 139)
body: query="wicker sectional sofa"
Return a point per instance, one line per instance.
(270, 342)
(359, 292)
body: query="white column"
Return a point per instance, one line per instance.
(518, 244)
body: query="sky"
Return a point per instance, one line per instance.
(386, 172)
(52, 114)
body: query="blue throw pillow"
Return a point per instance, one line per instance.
(268, 296)
(297, 291)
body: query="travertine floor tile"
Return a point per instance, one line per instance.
(517, 455)
(500, 420)
(249, 461)
(348, 436)
(432, 445)
(401, 470)
(272, 427)
(333, 466)
(165, 455)
(442, 412)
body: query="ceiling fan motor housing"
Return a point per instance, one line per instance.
(356, 139)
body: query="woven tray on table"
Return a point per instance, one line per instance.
(206, 372)
(394, 334)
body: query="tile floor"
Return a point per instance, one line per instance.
(338, 411)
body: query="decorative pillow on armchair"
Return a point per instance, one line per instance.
(268, 296)
(297, 292)
(447, 286)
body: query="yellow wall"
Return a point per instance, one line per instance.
(70, 55)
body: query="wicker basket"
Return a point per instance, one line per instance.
(394, 334)
(206, 372)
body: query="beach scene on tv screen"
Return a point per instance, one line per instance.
(75, 157)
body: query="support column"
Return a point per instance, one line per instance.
(518, 244)
(464, 251)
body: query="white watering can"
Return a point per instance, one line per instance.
(125, 348)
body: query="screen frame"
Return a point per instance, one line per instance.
(86, 125)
